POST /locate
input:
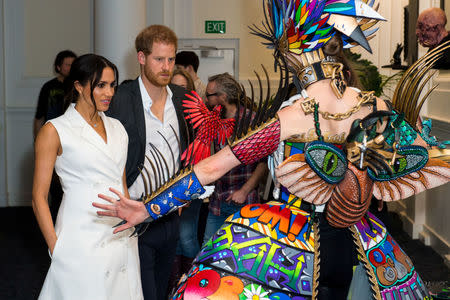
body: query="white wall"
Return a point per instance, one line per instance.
(66, 25)
(33, 34)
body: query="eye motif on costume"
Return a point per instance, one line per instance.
(313, 175)
(408, 159)
(318, 174)
(411, 173)
(327, 161)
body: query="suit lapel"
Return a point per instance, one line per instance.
(177, 103)
(139, 112)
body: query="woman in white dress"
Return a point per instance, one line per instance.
(88, 151)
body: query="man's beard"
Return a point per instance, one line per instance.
(155, 79)
(428, 41)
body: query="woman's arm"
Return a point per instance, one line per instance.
(47, 147)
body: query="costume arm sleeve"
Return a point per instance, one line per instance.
(176, 193)
(258, 143)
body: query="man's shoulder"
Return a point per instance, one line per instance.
(52, 83)
(123, 99)
(128, 87)
(177, 91)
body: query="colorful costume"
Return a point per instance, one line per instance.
(276, 250)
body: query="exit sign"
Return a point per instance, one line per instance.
(215, 27)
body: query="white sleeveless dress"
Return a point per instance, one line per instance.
(89, 261)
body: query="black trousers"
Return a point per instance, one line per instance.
(338, 255)
(157, 248)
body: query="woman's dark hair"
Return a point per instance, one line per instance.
(335, 47)
(60, 58)
(86, 69)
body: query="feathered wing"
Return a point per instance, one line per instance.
(226, 127)
(435, 172)
(209, 126)
(297, 176)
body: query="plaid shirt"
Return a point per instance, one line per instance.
(231, 182)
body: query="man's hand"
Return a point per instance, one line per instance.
(134, 212)
(238, 196)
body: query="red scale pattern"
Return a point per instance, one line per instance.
(258, 145)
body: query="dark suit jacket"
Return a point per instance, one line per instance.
(126, 106)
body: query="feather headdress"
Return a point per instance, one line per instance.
(299, 26)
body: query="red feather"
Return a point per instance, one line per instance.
(209, 127)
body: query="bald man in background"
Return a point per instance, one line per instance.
(431, 32)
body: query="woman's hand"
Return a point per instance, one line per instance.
(133, 212)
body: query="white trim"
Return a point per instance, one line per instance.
(436, 241)
(408, 225)
(21, 109)
(20, 199)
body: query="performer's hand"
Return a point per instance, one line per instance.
(134, 212)
(238, 196)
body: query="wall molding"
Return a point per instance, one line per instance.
(20, 90)
(436, 241)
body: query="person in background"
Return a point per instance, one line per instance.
(239, 186)
(50, 105)
(150, 109)
(51, 97)
(431, 32)
(182, 78)
(88, 151)
(188, 61)
(188, 245)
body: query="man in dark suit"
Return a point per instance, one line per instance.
(150, 108)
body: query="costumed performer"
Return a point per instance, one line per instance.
(305, 245)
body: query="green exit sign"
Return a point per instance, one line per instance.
(215, 27)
